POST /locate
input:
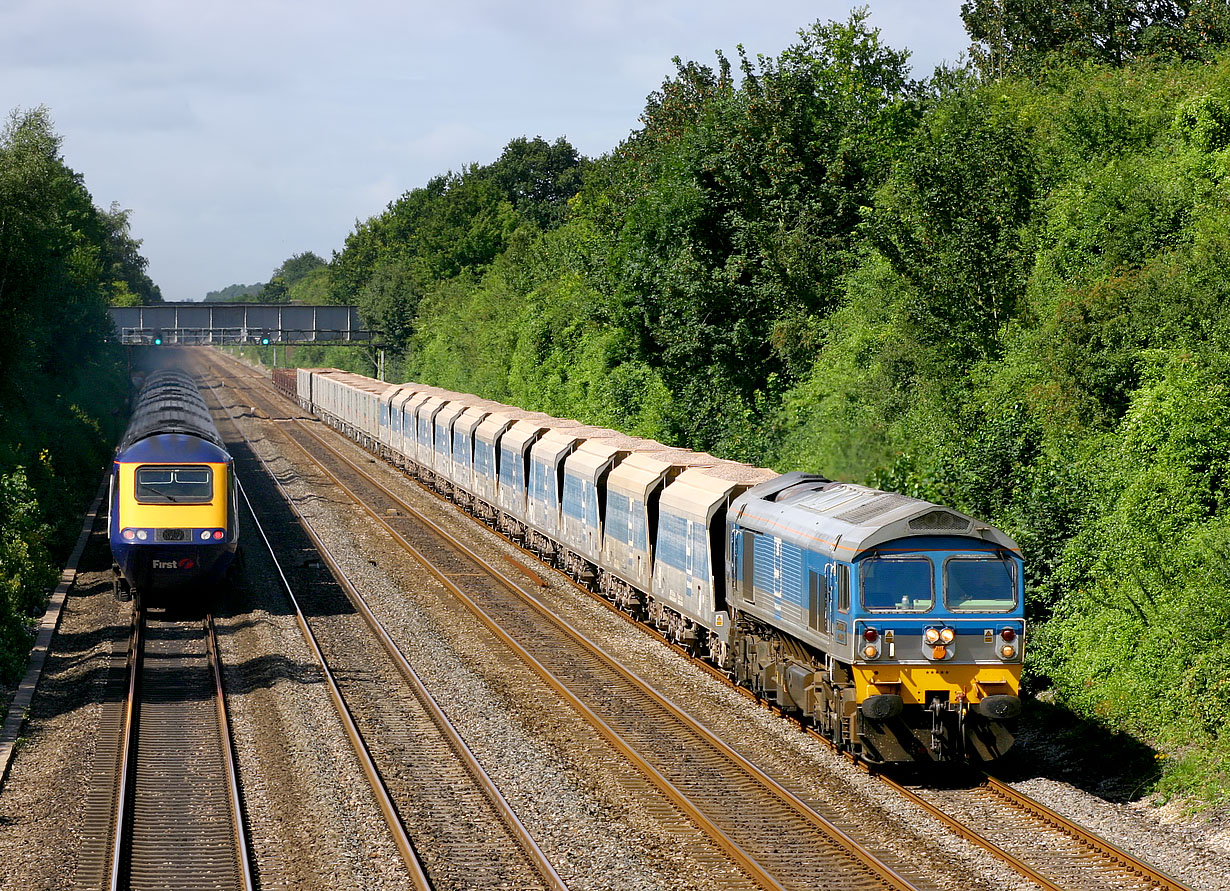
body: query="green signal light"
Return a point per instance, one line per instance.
(157, 341)
(264, 341)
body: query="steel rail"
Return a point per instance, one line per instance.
(384, 799)
(890, 877)
(1086, 837)
(438, 716)
(491, 792)
(126, 827)
(229, 757)
(128, 741)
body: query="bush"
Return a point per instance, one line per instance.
(26, 569)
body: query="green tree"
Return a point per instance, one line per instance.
(732, 214)
(25, 568)
(62, 262)
(298, 267)
(953, 222)
(1019, 36)
(123, 261)
(235, 294)
(389, 302)
(461, 221)
(538, 178)
(276, 291)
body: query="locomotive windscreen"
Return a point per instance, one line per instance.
(897, 583)
(979, 584)
(162, 484)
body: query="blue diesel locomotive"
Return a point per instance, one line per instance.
(893, 623)
(172, 521)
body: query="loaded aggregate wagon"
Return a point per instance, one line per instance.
(172, 520)
(895, 625)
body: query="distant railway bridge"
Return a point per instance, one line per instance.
(240, 323)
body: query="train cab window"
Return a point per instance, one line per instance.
(163, 484)
(980, 584)
(818, 603)
(900, 584)
(749, 565)
(843, 588)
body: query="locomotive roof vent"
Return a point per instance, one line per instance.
(939, 521)
(872, 507)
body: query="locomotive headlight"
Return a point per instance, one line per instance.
(947, 635)
(1008, 649)
(204, 535)
(931, 636)
(142, 534)
(871, 644)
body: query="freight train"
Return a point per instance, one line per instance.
(894, 625)
(172, 523)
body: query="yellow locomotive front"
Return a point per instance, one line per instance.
(172, 523)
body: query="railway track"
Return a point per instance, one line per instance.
(450, 822)
(164, 809)
(1054, 852)
(1042, 845)
(776, 838)
(1036, 842)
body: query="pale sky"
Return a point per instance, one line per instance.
(240, 133)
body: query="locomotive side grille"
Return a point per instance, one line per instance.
(939, 521)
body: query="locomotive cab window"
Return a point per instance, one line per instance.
(980, 584)
(901, 584)
(163, 484)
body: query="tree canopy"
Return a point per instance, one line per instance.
(63, 262)
(1021, 36)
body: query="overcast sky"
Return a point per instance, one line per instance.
(240, 133)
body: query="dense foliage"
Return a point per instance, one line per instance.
(1002, 289)
(62, 387)
(237, 293)
(1019, 36)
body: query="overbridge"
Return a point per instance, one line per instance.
(235, 323)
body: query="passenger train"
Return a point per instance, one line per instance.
(172, 522)
(895, 625)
